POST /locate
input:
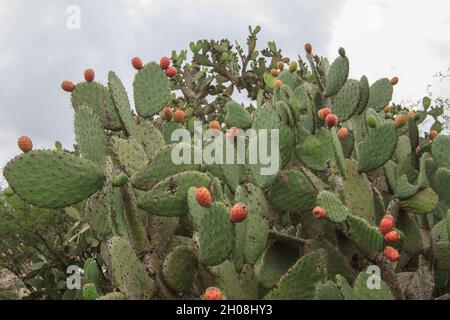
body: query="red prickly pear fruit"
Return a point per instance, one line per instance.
(232, 133)
(280, 65)
(89, 75)
(308, 48)
(390, 217)
(391, 254)
(392, 237)
(214, 125)
(331, 120)
(136, 62)
(319, 213)
(25, 144)
(274, 72)
(171, 72)
(203, 197)
(343, 133)
(400, 120)
(238, 213)
(179, 116)
(168, 113)
(411, 114)
(212, 293)
(323, 113)
(164, 63)
(278, 83)
(394, 81)
(67, 86)
(386, 225)
(433, 134)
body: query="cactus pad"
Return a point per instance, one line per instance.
(422, 203)
(346, 101)
(336, 76)
(336, 211)
(237, 116)
(441, 151)
(380, 94)
(178, 269)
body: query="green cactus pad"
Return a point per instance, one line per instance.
(129, 153)
(338, 152)
(91, 271)
(113, 296)
(336, 76)
(292, 191)
(162, 167)
(91, 139)
(404, 189)
(290, 79)
(121, 103)
(368, 238)
(169, 197)
(274, 263)
(315, 150)
(364, 292)
(411, 240)
(380, 94)
(237, 116)
(347, 291)
(364, 91)
(179, 269)
(98, 98)
(336, 211)
(215, 235)
(151, 90)
(441, 254)
(403, 150)
(422, 179)
(358, 193)
(299, 282)
(443, 184)
(150, 138)
(422, 203)
(53, 179)
(328, 291)
(167, 129)
(127, 271)
(90, 291)
(227, 280)
(346, 101)
(378, 148)
(441, 150)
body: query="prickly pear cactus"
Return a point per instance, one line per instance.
(354, 185)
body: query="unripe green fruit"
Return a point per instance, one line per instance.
(416, 117)
(293, 66)
(90, 292)
(341, 52)
(372, 121)
(120, 180)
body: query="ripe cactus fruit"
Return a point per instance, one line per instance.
(214, 125)
(67, 86)
(232, 133)
(212, 293)
(293, 65)
(136, 62)
(171, 72)
(179, 116)
(387, 108)
(400, 121)
(392, 236)
(433, 134)
(391, 254)
(164, 63)
(394, 81)
(386, 224)
(411, 114)
(343, 133)
(278, 83)
(331, 120)
(238, 213)
(280, 65)
(274, 72)
(319, 213)
(308, 48)
(323, 113)
(203, 197)
(89, 75)
(25, 144)
(168, 113)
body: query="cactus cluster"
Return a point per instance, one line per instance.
(355, 188)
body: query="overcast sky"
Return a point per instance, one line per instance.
(407, 38)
